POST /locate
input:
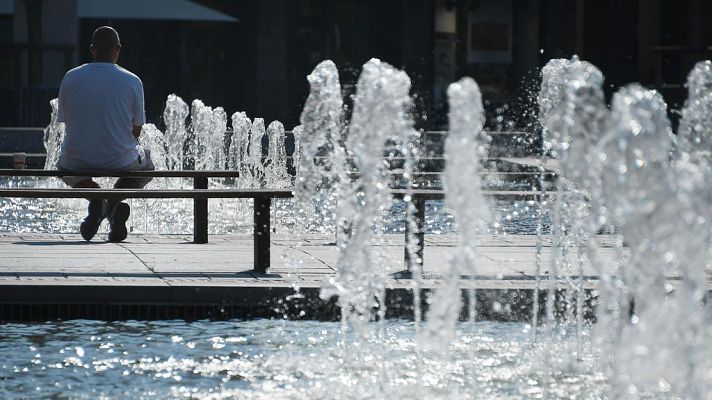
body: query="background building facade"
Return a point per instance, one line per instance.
(254, 55)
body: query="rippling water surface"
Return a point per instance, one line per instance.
(270, 359)
(175, 216)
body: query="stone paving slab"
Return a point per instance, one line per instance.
(507, 261)
(226, 254)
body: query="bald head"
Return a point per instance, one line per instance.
(105, 44)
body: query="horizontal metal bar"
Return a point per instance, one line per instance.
(153, 174)
(215, 174)
(222, 173)
(426, 194)
(433, 194)
(28, 155)
(146, 193)
(356, 174)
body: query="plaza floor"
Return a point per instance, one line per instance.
(45, 270)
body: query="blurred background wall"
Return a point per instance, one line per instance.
(253, 55)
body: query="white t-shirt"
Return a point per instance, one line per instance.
(100, 103)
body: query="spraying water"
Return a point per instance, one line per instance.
(464, 147)
(153, 140)
(208, 127)
(575, 117)
(551, 96)
(695, 130)
(379, 113)
(240, 141)
(320, 180)
(656, 215)
(276, 170)
(254, 168)
(174, 116)
(200, 125)
(572, 113)
(53, 137)
(216, 140)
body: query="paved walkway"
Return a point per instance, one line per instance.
(163, 277)
(308, 261)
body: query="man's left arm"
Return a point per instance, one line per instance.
(139, 113)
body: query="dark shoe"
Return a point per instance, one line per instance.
(92, 222)
(117, 222)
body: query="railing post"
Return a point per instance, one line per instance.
(261, 234)
(200, 212)
(419, 204)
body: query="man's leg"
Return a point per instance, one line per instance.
(117, 211)
(91, 223)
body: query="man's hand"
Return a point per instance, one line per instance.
(136, 132)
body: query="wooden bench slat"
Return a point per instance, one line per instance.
(115, 174)
(145, 193)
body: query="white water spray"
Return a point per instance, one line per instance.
(464, 148)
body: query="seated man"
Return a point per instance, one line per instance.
(102, 107)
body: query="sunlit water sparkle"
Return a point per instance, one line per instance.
(268, 359)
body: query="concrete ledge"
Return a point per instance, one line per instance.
(192, 303)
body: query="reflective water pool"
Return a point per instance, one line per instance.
(276, 359)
